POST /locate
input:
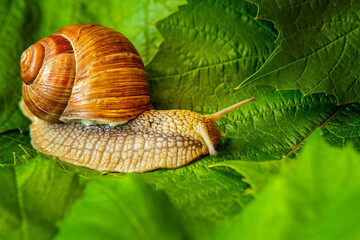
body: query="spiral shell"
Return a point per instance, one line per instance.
(84, 72)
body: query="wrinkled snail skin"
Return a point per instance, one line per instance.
(155, 139)
(89, 105)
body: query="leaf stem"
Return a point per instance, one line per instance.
(322, 125)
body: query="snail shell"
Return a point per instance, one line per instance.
(84, 72)
(91, 74)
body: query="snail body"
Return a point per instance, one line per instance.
(146, 140)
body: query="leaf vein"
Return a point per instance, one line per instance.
(210, 66)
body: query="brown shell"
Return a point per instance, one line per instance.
(89, 72)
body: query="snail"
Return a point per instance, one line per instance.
(85, 89)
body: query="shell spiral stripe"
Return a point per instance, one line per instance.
(48, 95)
(84, 72)
(111, 82)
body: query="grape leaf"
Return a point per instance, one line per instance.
(345, 128)
(122, 208)
(12, 18)
(256, 174)
(15, 148)
(318, 47)
(35, 195)
(276, 123)
(208, 46)
(200, 192)
(135, 19)
(307, 200)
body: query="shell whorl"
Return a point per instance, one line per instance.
(47, 96)
(89, 72)
(31, 62)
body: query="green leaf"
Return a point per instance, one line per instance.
(256, 174)
(208, 46)
(135, 19)
(345, 128)
(35, 196)
(13, 19)
(315, 197)
(15, 148)
(275, 124)
(200, 192)
(122, 208)
(317, 49)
